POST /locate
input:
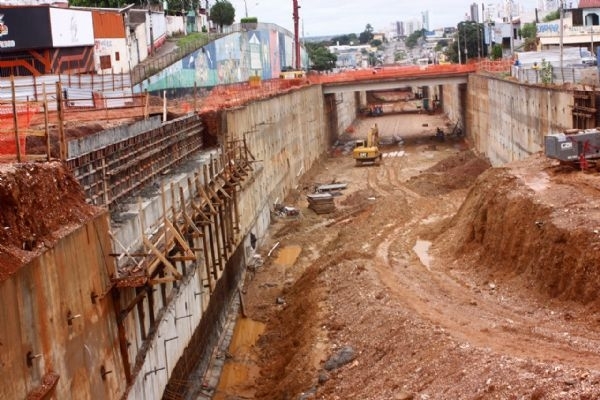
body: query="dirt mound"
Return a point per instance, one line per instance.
(534, 226)
(456, 172)
(73, 130)
(39, 202)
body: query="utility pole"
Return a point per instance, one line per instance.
(561, 11)
(296, 35)
(592, 38)
(478, 41)
(466, 47)
(510, 21)
(150, 28)
(458, 35)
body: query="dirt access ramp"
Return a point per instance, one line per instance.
(436, 278)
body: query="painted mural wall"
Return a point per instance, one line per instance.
(231, 59)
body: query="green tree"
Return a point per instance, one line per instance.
(320, 57)
(413, 39)
(529, 34)
(175, 7)
(400, 55)
(552, 16)
(100, 3)
(345, 40)
(497, 52)
(373, 59)
(546, 72)
(222, 13)
(367, 35)
(441, 44)
(375, 42)
(470, 36)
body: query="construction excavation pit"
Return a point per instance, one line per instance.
(435, 277)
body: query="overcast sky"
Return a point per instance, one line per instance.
(332, 17)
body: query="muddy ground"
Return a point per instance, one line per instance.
(436, 277)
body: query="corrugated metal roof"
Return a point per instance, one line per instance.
(108, 25)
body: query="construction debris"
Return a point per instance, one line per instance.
(321, 203)
(333, 188)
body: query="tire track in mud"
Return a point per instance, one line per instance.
(476, 316)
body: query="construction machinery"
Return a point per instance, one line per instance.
(367, 151)
(579, 149)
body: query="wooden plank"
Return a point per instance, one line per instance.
(162, 258)
(157, 281)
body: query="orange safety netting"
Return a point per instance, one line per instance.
(24, 114)
(502, 65)
(238, 94)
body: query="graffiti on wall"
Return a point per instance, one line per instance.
(231, 59)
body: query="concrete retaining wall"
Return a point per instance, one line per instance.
(87, 144)
(347, 105)
(505, 120)
(286, 135)
(57, 308)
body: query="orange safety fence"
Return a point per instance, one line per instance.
(495, 66)
(24, 116)
(238, 94)
(39, 133)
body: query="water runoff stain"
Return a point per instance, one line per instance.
(240, 370)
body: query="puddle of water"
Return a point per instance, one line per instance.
(288, 255)
(422, 250)
(240, 371)
(238, 374)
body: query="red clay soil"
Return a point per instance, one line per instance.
(502, 305)
(39, 203)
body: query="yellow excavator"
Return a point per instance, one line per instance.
(367, 151)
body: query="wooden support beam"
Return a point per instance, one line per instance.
(223, 233)
(214, 195)
(164, 213)
(157, 281)
(122, 334)
(162, 258)
(182, 242)
(215, 261)
(207, 199)
(126, 252)
(211, 283)
(200, 213)
(236, 210)
(182, 258)
(224, 193)
(192, 224)
(132, 304)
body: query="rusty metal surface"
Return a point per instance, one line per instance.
(60, 321)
